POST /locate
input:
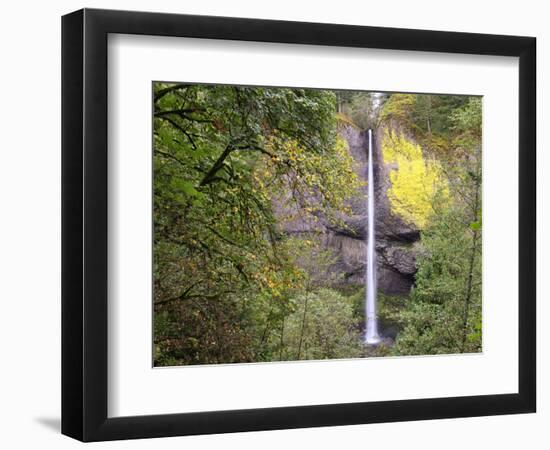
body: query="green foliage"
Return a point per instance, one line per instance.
(361, 109)
(429, 118)
(322, 326)
(223, 157)
(399, 108)
(444, 314)
(235, 166)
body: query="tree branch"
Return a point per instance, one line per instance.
(183, 113)
(169, 89)
(217, 166)
(179, 128)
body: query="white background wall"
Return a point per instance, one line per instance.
(30, 221)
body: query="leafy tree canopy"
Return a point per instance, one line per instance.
(224, 157)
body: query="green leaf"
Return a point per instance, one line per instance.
(186, 187)
(475, 226)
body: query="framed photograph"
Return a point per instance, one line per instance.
(273, 225)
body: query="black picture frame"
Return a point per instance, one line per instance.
(84, 224)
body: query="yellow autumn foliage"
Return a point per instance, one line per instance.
(415, 180)
(322, 181)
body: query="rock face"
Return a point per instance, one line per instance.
(396, 249)
(395, 240)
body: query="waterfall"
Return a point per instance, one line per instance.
(371, 325)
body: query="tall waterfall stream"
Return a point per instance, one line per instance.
(371, 329)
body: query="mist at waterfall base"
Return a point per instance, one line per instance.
(371, 326)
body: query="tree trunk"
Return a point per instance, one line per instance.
(304, 320)
(469, 283)
(282, 340)
(468, 295)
